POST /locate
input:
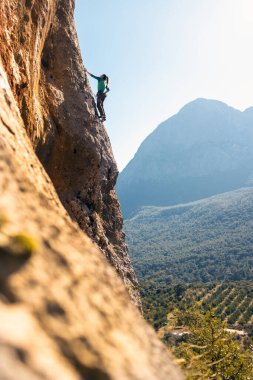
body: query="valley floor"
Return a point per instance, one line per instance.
(231, 301)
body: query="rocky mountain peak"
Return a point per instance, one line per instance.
(203, 150)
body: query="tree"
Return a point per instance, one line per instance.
(210, 352)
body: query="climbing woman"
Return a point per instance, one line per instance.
(103, 82)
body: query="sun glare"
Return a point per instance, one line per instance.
(247, 10)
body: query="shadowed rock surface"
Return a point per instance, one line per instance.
(64, 311)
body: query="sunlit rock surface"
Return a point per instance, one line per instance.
(64, 311)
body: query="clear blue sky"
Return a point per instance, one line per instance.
(161, 54)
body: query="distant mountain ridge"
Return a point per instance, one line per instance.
(205, 149)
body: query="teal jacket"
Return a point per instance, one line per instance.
(102, 86)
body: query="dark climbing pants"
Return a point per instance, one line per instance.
(100, 103)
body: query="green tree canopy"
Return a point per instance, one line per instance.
(210, 352)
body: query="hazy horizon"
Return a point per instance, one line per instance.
(162, 55)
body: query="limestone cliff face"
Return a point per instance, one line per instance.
(64, 311)
(41, 56)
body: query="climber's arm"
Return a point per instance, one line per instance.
(93, 76)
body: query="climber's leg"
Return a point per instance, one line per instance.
(100, 104)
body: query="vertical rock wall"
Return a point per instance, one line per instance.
(41, 56)
(64, 312)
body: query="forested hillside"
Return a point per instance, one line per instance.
(207, 240)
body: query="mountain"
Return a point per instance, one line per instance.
(205, 149)
(67, 286)
(206, 240)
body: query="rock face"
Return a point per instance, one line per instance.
(41, 57)
(205, 149)
(64, 311)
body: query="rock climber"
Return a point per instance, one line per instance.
(103, 82)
